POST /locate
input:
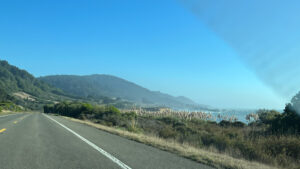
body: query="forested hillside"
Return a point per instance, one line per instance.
(4, 96)
(111, 86)
(20, 87)
(13, 79)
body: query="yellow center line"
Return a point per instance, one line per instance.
(2, 130)
(20, 119)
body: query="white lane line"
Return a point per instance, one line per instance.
(114, 159)
(7, 115)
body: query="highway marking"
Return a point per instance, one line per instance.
(2, 130)
(7, 115)
(21, 118)
(114, 159)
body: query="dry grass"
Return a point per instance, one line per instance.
(207, 157)
(24, 96)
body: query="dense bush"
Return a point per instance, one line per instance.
(287, 122)
(267, 116)
(9, 106)
(4, 97)
(225, 123)
(252, 142)
(167, 132)
(108, 115)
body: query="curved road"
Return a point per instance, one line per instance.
(38, 141)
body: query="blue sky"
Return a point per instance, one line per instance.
(161, 45)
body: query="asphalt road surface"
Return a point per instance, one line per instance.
(39, 141)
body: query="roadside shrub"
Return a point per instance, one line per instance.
(254, 141)
(167, 132)
(169, 120)
(9, 106)
(286, 146)
(215, 141)
(225, 123)
(238, 124)
(129, 120)
(287, 122)
(87, 108)
(110, 115)
(247, 150)
(267, 116)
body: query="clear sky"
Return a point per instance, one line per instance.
(160, 45)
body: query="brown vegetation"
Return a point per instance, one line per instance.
(273, 139)
(204, 156)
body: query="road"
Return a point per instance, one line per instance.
(39, 141)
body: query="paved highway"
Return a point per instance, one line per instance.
(39, 141)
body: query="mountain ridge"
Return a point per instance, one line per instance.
(97, 85)
(20, 87)
(14, 79)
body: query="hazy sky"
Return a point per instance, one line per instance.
(161, 45)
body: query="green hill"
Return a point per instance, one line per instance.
(20, 87)
(94, 86)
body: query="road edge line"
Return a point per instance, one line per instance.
(8, 115)
(112, 158)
